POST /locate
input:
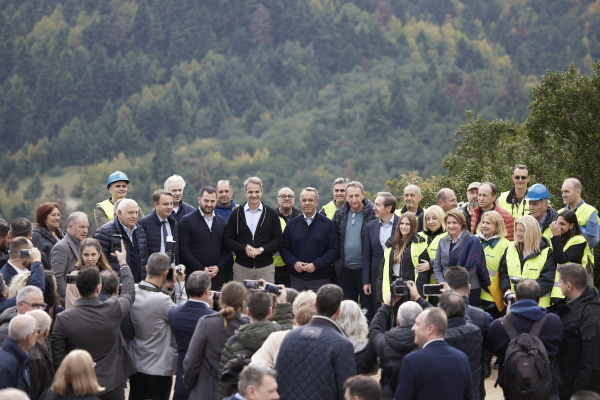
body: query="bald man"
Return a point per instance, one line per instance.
(446, 199)
(587, 216)
(412, 198)
(286, 200)
(41, 370)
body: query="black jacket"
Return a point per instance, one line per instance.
(546, 278)
(183, 210)
(390, 347)
(340, 218)
(268, 235)
(366, 360)
(551, 216)
(419, 214)
(467, 338)
(41, 370)
(152, 227)
(294, 213)
(69, 395)
(579, 354)
(407, 268)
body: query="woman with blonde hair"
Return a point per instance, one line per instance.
(528, 257)
(354, 324)
(434, 228)
(90, 253)
(303, 309)
(75, 379)
(492, 235)
(203, 357)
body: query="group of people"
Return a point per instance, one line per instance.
(257, 302)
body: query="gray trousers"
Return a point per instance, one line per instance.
(240, 274)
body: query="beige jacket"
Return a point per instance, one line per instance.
(269, 351)
(72, 293)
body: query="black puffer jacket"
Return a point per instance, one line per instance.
(340, 218)
(366, 360)
(391, 347)
(579, 354)
(467, 338)
(153, 227)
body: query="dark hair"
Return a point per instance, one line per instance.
(209, 190)
(329, 298)
(585, 395)
(573, 273)
(491, 185)
(571, 218)
(457, 278)
(102, 262)
(16, 245)
(87, 279)
(158, 263)
(51, 296)
(366, 388)
(110, 282)
(232, 299)
(21, 227)
(400, 242)
(158, 193)
(197, 283)
(388, 200)
(259, 304)
(453, 304)
(290, 295)
(42, 214)
(4, 228)
(528, 289)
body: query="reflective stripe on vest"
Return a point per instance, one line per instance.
(277, 260)
(415, 251)
(531, 269)
(517, 210)
(587, 255)
(583, 213)
(492, 262)
(107, 207)
(330, 209)
(432, 251)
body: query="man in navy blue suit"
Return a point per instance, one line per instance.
(183, 320)
(377, 233)
(17, 265)
(201, 239)
(437, 371)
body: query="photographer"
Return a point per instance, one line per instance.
(522, 315)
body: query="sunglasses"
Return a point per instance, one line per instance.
(521, 178)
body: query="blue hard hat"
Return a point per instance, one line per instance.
(537, 192)
(116, 176)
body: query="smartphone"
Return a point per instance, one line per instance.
(116, 243)
(252, 284)
(25, 253)
(70, 279)
(216, 296)
(270, 288)
(432, 290)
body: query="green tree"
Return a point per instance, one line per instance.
(163, 160)
(375, 124)
(34, 189)
(142, 24)
(398, 112)
(12, 185)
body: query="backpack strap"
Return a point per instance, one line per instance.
(508, 328)
(537, 327)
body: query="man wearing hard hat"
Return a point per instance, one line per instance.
(540, 209)
(117, 186)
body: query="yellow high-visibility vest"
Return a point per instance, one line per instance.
(587, 255)
(531, 269)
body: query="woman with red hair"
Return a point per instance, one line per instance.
(46, 231)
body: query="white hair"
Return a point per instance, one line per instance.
(353, 322)
(20, 327)
(173, 179)
(116, 205)
(21, 294)
(310, 189)
(13, 394)
(43, 319)
(408, 312)
(75, 216)
(126, 202)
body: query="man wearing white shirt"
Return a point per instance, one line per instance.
(160, 226)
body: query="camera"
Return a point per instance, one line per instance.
(510, 297)
(216, 296)
(399, 288)
(116, 243)
(176, 270)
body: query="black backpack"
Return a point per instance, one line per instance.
(527, 370)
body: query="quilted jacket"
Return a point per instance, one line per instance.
(314, 361)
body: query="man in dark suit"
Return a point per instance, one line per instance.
(17, 265)
(160, 224)
(93, 326)
(201, 235)
(41, 370)
(183, 321)
(377, 233)
(437, 371)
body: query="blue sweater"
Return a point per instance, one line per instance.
(225, 212)
(317, 244)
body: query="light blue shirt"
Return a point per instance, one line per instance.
(591, 230)
(162, 238)
(210, 220)
(238, 397)
(130, 234)
(252, 217)
(385, 231)
(309, 220)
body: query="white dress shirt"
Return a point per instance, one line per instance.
(252, 217)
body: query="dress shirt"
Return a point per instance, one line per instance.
(162, 237)
(432, 340)
(252, 217)
(385, 231)
(130, 234)
(210, 220)
(308, 220)
(17, 269)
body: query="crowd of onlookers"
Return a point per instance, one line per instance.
(249, 301)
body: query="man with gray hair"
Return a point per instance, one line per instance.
(339, 198)
(392, 345)
(28, 298)
(22, 334)
(175, 185)
(41, 370)
(153, 347)
(132, 235)
(65, 253)
(350, 222)
(253, 233)
(310, 245)
(256, 382)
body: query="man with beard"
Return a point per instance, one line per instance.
(201, 235)
(472, 202)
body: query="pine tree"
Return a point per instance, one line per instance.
(375, 124)
(142, 24)
(397, 112)
(340, 116)
(34, 189)
(261, 27)
(12, 185)
(7, 40)
(163, 160)
(24, 65)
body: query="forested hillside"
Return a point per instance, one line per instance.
(295, 91)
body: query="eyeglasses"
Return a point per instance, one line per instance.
(286, 196)
(521, 178)
(36, 306)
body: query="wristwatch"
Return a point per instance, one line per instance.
(262, 250)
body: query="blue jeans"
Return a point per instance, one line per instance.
(350, 280)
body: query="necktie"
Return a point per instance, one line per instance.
(165, 234)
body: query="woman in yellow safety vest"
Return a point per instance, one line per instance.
(528, 257)
(569, 246)
(434, 229)
(403, 253)
(492, 235)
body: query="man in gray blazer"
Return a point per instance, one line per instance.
(65, 253)
(94, 326)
